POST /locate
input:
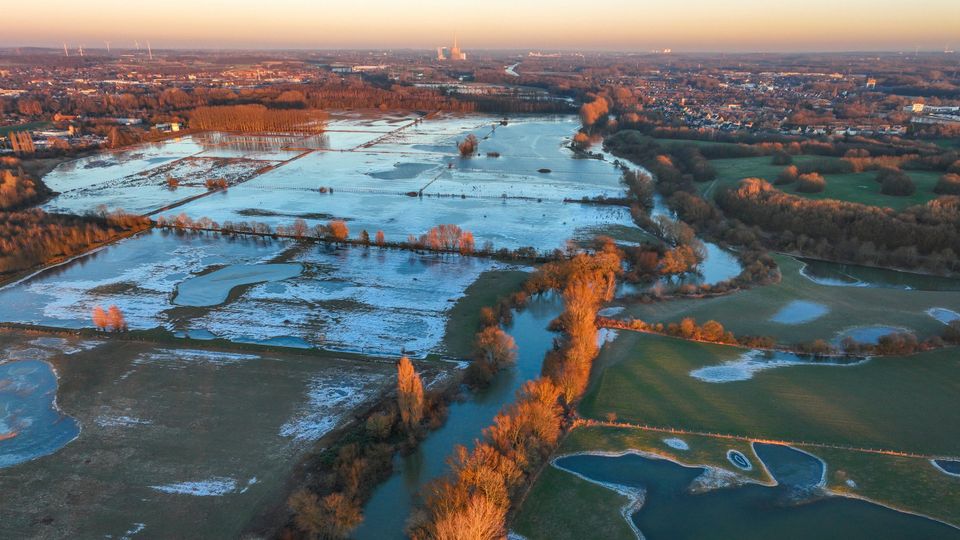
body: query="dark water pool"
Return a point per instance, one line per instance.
(30, 426)
(746, 512)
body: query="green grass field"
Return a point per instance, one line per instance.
(546, 511)
(909, 484)
(646, 379)
(749, 312)
(5, 130)
(464, 317)
(852, 187)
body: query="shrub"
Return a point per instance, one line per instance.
(781, 158)
(787, 176)
(811, 183)
(895, 182)
(948, 184)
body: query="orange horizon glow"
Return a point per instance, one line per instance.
(691, 25)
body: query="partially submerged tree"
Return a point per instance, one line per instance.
(468, 146)
(338, 230)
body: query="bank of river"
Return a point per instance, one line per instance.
(387, 511)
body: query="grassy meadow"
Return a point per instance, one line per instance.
(751, 312)
(853, 187)
(646, 379)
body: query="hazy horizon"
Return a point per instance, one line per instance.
(695, 26)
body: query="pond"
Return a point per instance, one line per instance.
(31, 426)
(671, 511)
(850, 275)
(754, 361)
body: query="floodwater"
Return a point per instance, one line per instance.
(751, 511)
(30, 424)
(214, 288)
(867, 334)
(502, 200)
(799, 312)
(850, 275)
(390, 506)
(357, 299)
(754, 361)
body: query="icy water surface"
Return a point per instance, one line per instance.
(800, 312)
(370, 300)
(213, 288)
(30, 424)
(754, 361)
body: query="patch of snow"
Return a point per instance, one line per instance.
(739, 460)
(850, 483)
(325, 394)
(212, 487)
(676, 443)
(754, 361)
(610, 311)
(120, 421)
(944, 315)
(133, 531)
(181, 358)
(715, 478)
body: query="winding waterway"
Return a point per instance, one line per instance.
(388, 509)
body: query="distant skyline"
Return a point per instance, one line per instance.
(681, 25)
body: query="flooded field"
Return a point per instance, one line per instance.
(249, 289)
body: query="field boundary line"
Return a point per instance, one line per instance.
(587, 422)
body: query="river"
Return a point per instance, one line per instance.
(387, 511)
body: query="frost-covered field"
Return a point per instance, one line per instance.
(174, 442)
(147, 190)
(377, 301)
(361, 300)
(138, 275)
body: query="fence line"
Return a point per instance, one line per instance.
(587, 422)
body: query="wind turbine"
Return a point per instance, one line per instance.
(65, 51)
(149, 50)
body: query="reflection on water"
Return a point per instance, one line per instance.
(388, 509)
(750, 511)
(30, 425)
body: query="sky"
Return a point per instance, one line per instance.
(681, 25)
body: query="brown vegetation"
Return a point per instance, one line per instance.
(927, 235)
(468, 146)
(410, 398)
(472, 501)
(33, 237)
(17, 190)
(811, 183)
(256, 119)
(493, 350)
(948, 184)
